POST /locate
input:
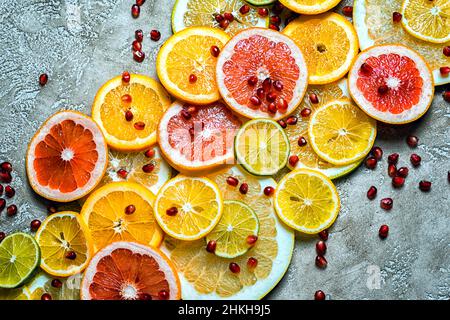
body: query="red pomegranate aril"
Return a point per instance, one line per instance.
(244, 9)
(271, 96)
(135, 10)
(129, 115)
(412, 141)
(35, 224)
(172, 211)
(126, 77)
(319, 295)
(386, 203)
(234, 267)
(366, 69)
(282, 105)
(232, 181)
(275, 20)
(9, 192)
(268, 191)
(192, 78)
(6, 167)
(243, 188)
(2, 204)
(155, 35)
(219, 18)
(140, 2)
(321, 262)
(126, 98)
(267, 84)
(444, 71)
(272, 108)
(393, 158)
(224, 24)
(282, 123)
(215, 51)
(446, 51)
(278, 85)
(392, 170)
(11, 210)
(372, 193)
(130, 209)
(5, 177)
(139, 125)
(138, 56)
(377, 153)
(383, 89)
(150, 153)
(398, 182)
(448, 176)
(252, 81)
(292, 120)
(163, 295)
(1, 189)
(122, 173)
(313, 98)
(260, 93)
(415, 160)
(139, 35)
(277, 8)
(347, 11)
(446, 95)
(383, 232)
(321, 248)
(263, 12)
(254, 100)
(403, 172)
(149, 167)
(323, 235)
(71, 255)
(51, 209)
(136, 45)
(251, 239)
(56, 283)
(371, 162)
(425, 185)
(228, 16)
(301, 142)
(186, 114)
(293, 160)
(46, 296)
(192, 109)
(211, 246)
(252, 263)
(306, 112)
(43, 79)
(274, 27)
(2, 236)
(396, 17)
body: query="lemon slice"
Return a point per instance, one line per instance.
(188, 208)
(307, 201)
(262, 147)
(66, 288)
(341, 133)
(238, 222)
(310, 6)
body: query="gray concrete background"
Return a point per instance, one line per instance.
(83, 43)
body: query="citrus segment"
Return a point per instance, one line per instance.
(67, 157)
(310, 6)
(130, 271)
(14, 294)
(64, 288)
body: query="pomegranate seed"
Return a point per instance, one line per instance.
(5, 177)
(128, 115)
(313, 98)
(139, 35)
(126, 98)
(1, 189)
(321, 262)
(306, 112)
(321, 248)
(301, 142)
(138, 56)
(232, 181)
(371, 162)
(398, 182)
(243, 188)
(155, 35)
(11, 210)
(272, 108)
(319, 295)
(163, 295)
(393, 158)
(224, 24)
(402, 172)
(149, 167)
(425, 185)
(383, 89)
(383, 232)
(282, 105)
(396, 17)
(35, 224)
(56, 283)
(46, 296)
(192, 109)
(386, 203)
(278, 85)
(215, 51)
(372, 193)
(277, 8)
(444, 71)
(251, 239)
(268, 191)
(140, 2)
(377, 153)
(282, 123)
(293, 160)
(9, 191)
(448, 176)
(271, 96)
(150, 153)
(252, 81)
(274, 27)
(392, 170)
(211, 246)
(323, 235)
(43, 78)
(254, 100)
(234, 267)
(6, 167)
(446, 51)
(185, 114)
(51, 210)
(122, 173)
(347, 11)
(260, 93)
(244, 9)
(446, 95)
(136, 45)
(252, 263)
(292, 120)
(172, 211)
(139, 125)
(415, 159)
(219, 18)
(276, 20)
(267, 84)
(130, 209)
(71, 255)
(192, 78)
(2, 236)
(2, 204)
(366, 69)
(228, 16)
(135, 10)
(412, 141)
(263, 12)
(126, 77)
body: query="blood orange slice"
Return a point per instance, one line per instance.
(130, 271)
(391, 83)
(194, 138)
(67, 157)
(262, 73)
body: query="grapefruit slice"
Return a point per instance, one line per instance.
(67, 157)
(200, 139)
(130, 271)
(391, 83)
(262, 73)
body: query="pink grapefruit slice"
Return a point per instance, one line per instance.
(194, 138)
(67, 157)
(391, 83)
(262, 73)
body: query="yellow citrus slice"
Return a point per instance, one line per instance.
(121, 211)
(427, 20)
(66, 247)
(128, 112)
(310, 6)
(188, 208)
(341, 133)
(328, 42)
(205, 275)
(190, 13)
(307, 201)
(186, 66)
(231, 234)
(57, 288)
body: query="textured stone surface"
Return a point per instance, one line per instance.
(83, 43)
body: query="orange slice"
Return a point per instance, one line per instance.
(310, 6)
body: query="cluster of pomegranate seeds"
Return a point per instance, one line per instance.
(211, 246)
(35, 224)
(225, 19)
(234, 267)
(43, 78)
(347, 11)
(397, 17)
(321, 249)
(8, 191)
(319, 295)
(130, 209)
(243, 188)
(172, 211)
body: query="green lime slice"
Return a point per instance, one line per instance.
(19, 257)
(262, 147)
(260, 2)
(238, 221)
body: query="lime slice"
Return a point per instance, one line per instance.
(63, 289)
(19, 257)
(14, 294)
(260, 2)
(238, 221)
(262, 147)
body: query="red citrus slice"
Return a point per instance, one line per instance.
(247, 60)
(67, 157)
(194, 138)
(391, 83)
(130, 271)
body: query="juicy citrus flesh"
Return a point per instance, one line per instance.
(60, 234)
(198, 203)
(104, 213)
(427, 20)
(307, 201)
(238, 221)
(341, 133)
(42, 283)
(14, 294)
(329, 44)
(19, 257)
(310, 6)
(262, 147)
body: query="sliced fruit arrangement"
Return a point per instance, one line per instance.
(262, 147)
(56, 288)
(307, 201)
(228, 15)
(121, 211)
(188, 208)
(128, 110)
(186, 64)
(341, 133)
(373, 21)
(427, 20)
(195, 138)
(67, 157)
(329, 44)
(65, 244)
(391, 83)
(262, 73)
(130, 271)
(310, 6)
(19, 257)
(205, 275)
